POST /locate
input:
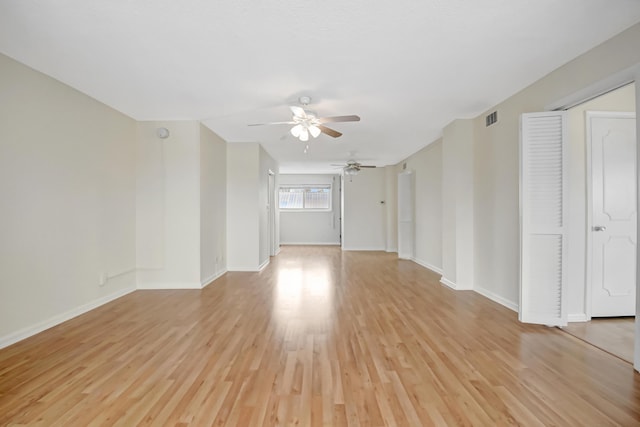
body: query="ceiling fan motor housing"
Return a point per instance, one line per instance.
(304, 100)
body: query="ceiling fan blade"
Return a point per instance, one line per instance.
(352, 118)
(297, 111)
(329, 131)
(364, 166)
(272, 123)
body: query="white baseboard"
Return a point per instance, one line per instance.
(454, 286)
(310, 243)
(278, 251)
(497, 298)
(364, 249)
(169, 285)
(242, 269)
(206, 282)
(428, 266)
(391, 249)
(264, 264)
(448, 283)
(578, 317)
(24, 333)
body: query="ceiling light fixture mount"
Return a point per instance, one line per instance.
(304, 100)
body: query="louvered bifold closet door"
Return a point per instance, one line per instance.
(543, 218)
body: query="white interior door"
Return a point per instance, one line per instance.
(612, 138)
(543, 218)
(405, 216)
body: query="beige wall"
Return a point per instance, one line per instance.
(426, 166)
(67, 183)
(391, 206)
(457, 214)
(243, 224)
(181, 204)
(248, 166)
(213, 205)
(168, 206)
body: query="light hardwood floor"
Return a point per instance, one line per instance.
(615, 335)
(319, 337)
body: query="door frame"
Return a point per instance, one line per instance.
(411, 207)
(588, 301)
(271, 201)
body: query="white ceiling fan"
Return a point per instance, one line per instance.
(352, 167)
(307, 123)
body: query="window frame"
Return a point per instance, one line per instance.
(328, 186)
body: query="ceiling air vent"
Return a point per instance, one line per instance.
(491, 119)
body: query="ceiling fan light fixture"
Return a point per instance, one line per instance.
(304, 134)
(350, 170)
(307, 122)
(296, 130)
(314, 131)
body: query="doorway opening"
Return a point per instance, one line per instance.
(406, 244)
(602, 234)
(271, 206)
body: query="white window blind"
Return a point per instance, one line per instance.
(305, 197)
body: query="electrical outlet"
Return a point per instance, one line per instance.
(102, 279)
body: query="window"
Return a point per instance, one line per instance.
(305, 197)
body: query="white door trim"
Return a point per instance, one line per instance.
(271, 203)
(607, 84)
(407, 221)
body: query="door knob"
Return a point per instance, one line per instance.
(599, 228)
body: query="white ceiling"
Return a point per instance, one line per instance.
(406, 67)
